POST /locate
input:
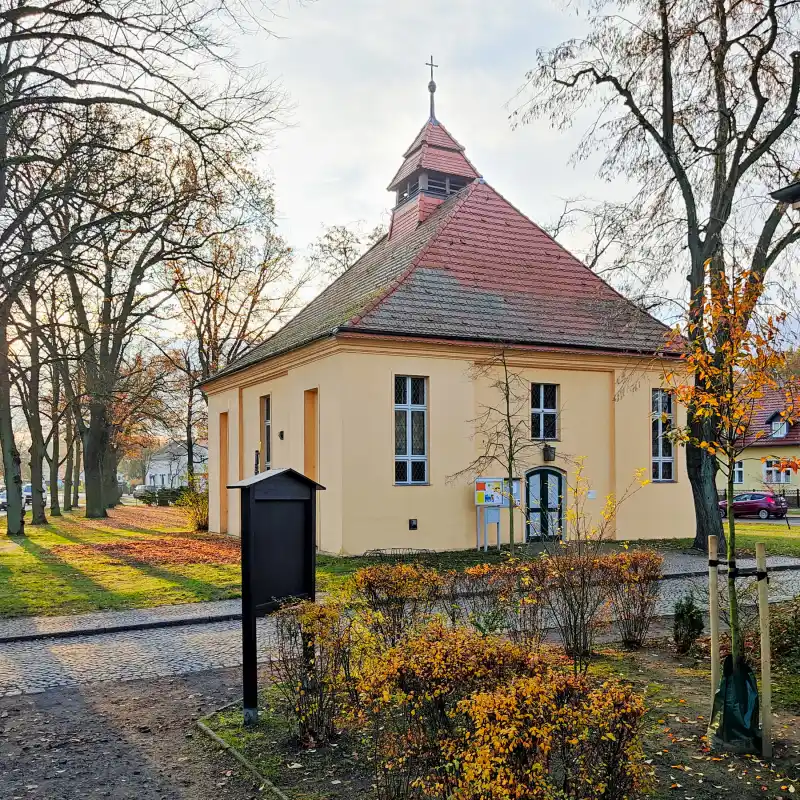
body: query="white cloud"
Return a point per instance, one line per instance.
(355, 72)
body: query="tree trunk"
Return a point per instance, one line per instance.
(110, 485)
(55, 507)
(95, 444)
(702, 470)
(68, 465)
(190, 440)
(38, 515)
(33, 413)
(511, 539)
(76, 473)
(12, 464)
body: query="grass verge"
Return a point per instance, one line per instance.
(138, 557)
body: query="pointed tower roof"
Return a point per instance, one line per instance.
(460, 263)
(436, 150)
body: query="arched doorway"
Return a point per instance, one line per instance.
(544, 498)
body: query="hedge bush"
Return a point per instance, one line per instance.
(398, 597)
(550, 736)
(313, 652)
(633, 586)
(411, 693)
(195, 505)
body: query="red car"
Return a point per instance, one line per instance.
(756, 504)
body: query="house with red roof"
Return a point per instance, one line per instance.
(773, 436)
(372, 389)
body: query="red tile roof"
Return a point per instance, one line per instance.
(775, 402)
(434, 149)
(475, 270)
(436, 135)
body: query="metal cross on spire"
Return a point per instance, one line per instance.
(432, 84)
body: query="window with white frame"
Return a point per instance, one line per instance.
(410, 430)
(780, 427)
(266, 456)
(544, 411)
(774, 474)
(738, 472)
(663, 460)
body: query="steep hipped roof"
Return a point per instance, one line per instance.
(476, 269)
(436, 150)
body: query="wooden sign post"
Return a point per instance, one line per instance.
(766, 664)
(713, 613)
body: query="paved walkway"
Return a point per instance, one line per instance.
(680, 562)
(29, 667)
(104, 620)
(34, 666)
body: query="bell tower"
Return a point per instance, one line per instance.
(434, 168)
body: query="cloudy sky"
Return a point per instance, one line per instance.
(354, 71)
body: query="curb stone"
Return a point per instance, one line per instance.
(134, 626)
(265, 783)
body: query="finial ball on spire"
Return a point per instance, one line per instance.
(432, 86)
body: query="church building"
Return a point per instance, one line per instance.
(375, 389)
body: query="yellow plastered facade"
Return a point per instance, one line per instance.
(753, 469)
(604, 418)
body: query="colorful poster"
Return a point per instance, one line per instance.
(494, 492)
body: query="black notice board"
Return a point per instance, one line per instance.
(278, 532)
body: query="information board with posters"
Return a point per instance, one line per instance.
(494, 492)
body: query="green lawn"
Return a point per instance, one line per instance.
(142, 556)
(138, 557)
(779, 539)
(332, 571)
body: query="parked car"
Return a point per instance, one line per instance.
(756, 504)
(3, 501)
(27, 494)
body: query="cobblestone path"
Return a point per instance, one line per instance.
(35, 666)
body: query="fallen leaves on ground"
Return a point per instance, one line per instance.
(167, 550)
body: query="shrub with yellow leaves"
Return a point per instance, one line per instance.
(499, 598)
(552, 736)
(411, 692)
(633, 584)
(397, 597)
(578, 571)
(314, 648)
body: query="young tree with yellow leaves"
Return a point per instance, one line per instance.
(726, 373)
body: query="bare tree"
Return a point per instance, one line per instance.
(338, 247)
(232, 293)
(165, 59)
(503, 428)
(599, 234)
(696, 106)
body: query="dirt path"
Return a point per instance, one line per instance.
(130, 739)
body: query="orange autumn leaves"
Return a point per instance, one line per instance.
(167, 550)
(451, 708)
(731, 358)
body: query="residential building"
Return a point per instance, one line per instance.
(772, 437)
(169, 466)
